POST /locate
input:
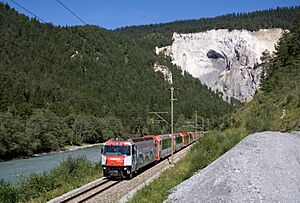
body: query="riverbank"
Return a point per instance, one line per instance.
(15, 169)
(83, 146)
(68, 148)
(71, 173)
(65, 149)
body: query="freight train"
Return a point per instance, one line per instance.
(123, 158)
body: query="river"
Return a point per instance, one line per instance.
(11, 170)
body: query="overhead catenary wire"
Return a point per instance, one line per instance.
(28, 11)
(84, 22)
(27, 47)
(72, 12)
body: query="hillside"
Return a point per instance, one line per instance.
(67, 85)
(277, 105)
(211, 173)
(161, 34)
(225, 60)
(223, 52)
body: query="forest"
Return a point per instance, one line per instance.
(69, 85)
(161, 34)
(277, 106)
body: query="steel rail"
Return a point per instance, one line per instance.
(80, 194)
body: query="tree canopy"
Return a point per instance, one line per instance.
(68, 85)
(277, 105)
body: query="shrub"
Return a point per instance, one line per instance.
(8, 193)
(70, 174)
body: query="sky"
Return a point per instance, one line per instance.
(112, 14)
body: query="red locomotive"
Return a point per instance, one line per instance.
(122, 158)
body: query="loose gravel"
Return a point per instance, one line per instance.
(263, 167)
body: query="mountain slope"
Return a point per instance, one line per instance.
(226, 61)
(161, 34)
(71, 84)
(277, 105)
(223, 52)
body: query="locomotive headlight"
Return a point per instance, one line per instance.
(104, 167)
(128, 161)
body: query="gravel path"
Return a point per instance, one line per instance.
(263, 167)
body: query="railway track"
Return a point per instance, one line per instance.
(104, 190)
(86, 192)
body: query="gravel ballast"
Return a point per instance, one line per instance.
(263, 167)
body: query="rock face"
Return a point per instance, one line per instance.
(165, 71)
(226, 61)
(264, 167)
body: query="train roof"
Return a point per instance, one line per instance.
(117, 142)
(160, 137)
(184, 133)
(141, 139)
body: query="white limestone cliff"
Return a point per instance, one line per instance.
(224, 60)
(165, 71)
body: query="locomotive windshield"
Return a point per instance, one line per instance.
(117, 150)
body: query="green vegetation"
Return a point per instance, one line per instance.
(161, 34)
(205, 151)
(70, 174)
(44, 131)
(68, 85)
(277, 105)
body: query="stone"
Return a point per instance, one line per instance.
(226, 61)
(165, 71)
(263, 167)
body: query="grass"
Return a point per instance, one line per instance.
(74, 172)
(70, 174)
(205, 151)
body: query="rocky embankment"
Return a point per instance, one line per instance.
(226, 61)
(264, 167)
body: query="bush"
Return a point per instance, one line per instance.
(8, 193)
(71, 173)
(48, 131)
